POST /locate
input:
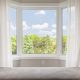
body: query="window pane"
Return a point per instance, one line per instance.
(39, 31)
(65, 22)
(12, 21)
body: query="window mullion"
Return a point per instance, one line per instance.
(19, 31)
(59, 31)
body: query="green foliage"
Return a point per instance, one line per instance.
(28, 45)
(37, 44)
(64, 44)
(13, 42)
(34, 44)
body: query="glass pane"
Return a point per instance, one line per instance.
(65, 22)
(39, 31)
(12, 21)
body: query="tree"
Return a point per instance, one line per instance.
(34, 44)
(64, 44)
(27, 45)
(38, 44)
(13, 44)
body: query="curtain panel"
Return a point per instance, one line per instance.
(73, 44)
(5, 54)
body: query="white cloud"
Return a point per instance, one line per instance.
(40, 26)
(42, 12)
(25, 26)
(64, 27)
(12, 26)
(12, 29)
(54, 26)
(44, 32)
(53, 31)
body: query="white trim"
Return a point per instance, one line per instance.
(35, 56)
(30, 6)
(17, 4)
(64, 4)
(19, 30)
(59, 31)
(39, 7)
(13, 3)
(39, 4)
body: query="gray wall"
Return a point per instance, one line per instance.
(39, 63)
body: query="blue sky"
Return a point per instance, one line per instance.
(40, 22)
(39, 17)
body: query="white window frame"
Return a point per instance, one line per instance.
(19, 7)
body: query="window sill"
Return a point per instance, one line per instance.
(39, 56)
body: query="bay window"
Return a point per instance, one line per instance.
(38, 31)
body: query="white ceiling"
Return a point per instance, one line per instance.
(39, 1)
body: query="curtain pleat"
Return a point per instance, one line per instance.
(73, 45)
(5, 54)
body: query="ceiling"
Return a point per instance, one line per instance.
(39, 1)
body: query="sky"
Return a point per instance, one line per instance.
(40, 22)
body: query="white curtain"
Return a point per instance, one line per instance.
(5, 54)
(73, 46)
